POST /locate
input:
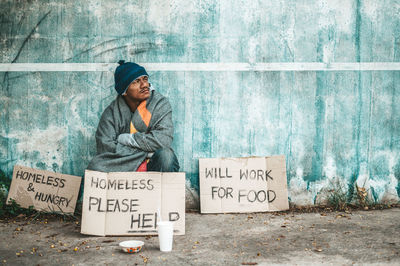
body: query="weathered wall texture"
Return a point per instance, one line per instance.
(339, 125)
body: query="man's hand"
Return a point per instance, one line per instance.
(127, 140)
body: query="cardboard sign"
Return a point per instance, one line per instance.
(127, 203)
(44, 190)
(254, 184)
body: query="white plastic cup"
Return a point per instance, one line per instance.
(165, 235)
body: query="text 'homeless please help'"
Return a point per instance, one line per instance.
(125, 203)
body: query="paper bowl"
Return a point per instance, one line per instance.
(131, 246)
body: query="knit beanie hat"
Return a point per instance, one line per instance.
(125, 74)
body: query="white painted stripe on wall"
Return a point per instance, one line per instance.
(307, 66)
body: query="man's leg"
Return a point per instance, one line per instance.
(163, 160)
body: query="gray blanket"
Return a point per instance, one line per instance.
(114, 157)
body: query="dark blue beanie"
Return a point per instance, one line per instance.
(126, 73)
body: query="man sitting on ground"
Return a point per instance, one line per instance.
(135, 131)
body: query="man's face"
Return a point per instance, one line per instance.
(139, 89)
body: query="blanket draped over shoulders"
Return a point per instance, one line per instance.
(153, 127)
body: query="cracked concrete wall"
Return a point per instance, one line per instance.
(331, 126)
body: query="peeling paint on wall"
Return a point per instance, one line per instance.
(332, 126)
(42, 145)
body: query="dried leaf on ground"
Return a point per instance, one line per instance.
(145, 259)
(108, 241)
(53, 235)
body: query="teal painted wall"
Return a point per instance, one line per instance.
(340, 125)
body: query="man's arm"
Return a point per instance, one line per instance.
(160, 135)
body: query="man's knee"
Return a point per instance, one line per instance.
(164, 160)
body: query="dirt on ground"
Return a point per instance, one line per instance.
(293, 237)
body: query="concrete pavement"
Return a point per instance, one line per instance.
(356, 237)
